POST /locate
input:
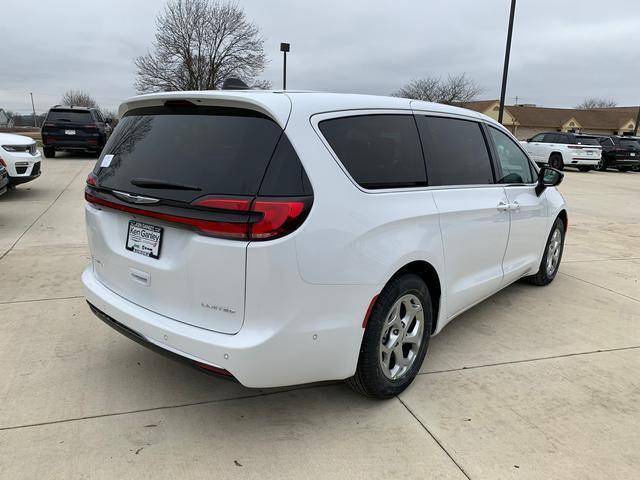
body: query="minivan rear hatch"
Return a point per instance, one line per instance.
(173, 202)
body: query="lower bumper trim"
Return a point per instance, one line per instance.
(142, 340)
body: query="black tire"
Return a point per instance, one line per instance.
(49, 152)
(369, 379)
(602, 166)
(555, 161)
(585, 169)
(544, 277)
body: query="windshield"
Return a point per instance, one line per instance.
(184, 153)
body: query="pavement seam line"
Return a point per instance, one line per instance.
(42, 214)
(11, 302)
(434, 438)
(601, 260)
(537, 359)
(164, 407)
(600, 286)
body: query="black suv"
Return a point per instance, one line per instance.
(75, 129)
(622, 153)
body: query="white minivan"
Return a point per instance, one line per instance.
(291, 237)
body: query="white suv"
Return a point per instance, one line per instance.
(560, 150)
(293, 237)
(20, 156)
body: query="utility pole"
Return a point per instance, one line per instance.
(505, 71)
(284, 48)
(33, 107)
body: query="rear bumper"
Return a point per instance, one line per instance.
(584, 162)
(267, 352)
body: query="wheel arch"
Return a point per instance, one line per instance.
(556, 152)
(429, 275)
(562, 215)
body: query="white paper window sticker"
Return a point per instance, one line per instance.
(106, 161)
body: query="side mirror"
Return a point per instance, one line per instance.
(548, 177)
(528, 140)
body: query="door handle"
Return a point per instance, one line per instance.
(514, 206)
(503, 207)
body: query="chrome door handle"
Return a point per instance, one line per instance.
(514, 206)
(503, 207)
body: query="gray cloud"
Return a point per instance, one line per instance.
(562, 51)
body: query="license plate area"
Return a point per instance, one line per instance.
(69, 132)
(144, 239)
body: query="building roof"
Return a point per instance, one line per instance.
(613, 118)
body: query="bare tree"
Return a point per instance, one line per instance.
(198, 44)
(453, 89)
(594, 102)
(78, 98)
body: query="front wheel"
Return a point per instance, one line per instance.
(395, 340)
(602, 165)
(49, 152)
(552, 256)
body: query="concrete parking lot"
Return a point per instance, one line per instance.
(533, 383)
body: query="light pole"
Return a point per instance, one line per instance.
(33, 107)
(506, 61)
(284, 48)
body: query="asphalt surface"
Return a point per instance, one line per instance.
(532, 383)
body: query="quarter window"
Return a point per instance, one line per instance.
(378, 151)
(455, 150)
(514, 164)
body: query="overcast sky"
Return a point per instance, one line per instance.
(562, 51)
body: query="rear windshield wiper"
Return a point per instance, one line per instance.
(152, 183)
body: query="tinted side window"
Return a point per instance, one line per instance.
(550, 138)
(378, 151)
(285, 175)
(455, 150)
(513, 162)
(538, 138)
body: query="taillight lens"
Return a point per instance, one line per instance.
(3, 163)
(278, 218)
(92, 180)
(259, 219)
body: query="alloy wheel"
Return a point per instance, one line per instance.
(401, 336)
(553, 252)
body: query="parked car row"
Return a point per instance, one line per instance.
(20, 160)
(584, 151)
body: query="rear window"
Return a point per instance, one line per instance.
(455, 150)
(586, 141)
(70, 116)
(222, 151)
(378, 151)
(629, 143)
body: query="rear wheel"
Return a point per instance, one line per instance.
(49, 152)
(602, 165)
(395, 340)
(552, 256)
(555, 161)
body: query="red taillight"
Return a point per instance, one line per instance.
(277, 216)
(239, 205)
(260, 219)
(3, 163)
(211, 368)
(92, 180)
(91, 126)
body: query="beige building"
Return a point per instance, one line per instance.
(525, 121)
